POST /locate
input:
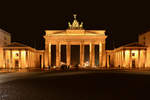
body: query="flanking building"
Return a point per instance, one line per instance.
(17, 55)
(133, 55)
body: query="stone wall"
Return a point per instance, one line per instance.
(5, 38)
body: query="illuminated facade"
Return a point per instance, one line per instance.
(133, 55)
(75, 35)
(17, 55)
(130, 56)
(5, 39)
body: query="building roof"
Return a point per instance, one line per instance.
(5, 32)
(134, 45)
(145, 32)
(16, 44)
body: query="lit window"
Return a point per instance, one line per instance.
(133, 54)
(17, 54)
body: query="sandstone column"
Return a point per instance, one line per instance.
(46, 55)
(92, 55)
(4, 58)
(145, 58)
(20, 65)
(58, 54)
(100, 54)
(124, 60)
(139, 62)
(68, 53)
(81, 54)
(121, 58)
(27, 59)
(11, 59)
(29, 55)
(49, 54)
(130, 59)
(103, 55)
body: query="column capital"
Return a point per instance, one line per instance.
(58, 42)
(68, 43)
(82, 41)
(93, 43)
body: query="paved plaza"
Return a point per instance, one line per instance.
(75, 85)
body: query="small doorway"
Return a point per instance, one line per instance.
(16, 63)
(133, 63)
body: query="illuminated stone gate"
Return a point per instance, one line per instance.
(75, 35)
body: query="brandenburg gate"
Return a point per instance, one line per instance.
(75, 35)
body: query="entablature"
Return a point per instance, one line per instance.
(75, 42)
(72, 32)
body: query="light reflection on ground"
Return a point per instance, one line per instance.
(75, 85)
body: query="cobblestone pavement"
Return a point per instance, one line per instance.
(75, 86)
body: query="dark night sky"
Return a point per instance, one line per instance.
(26, 21)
